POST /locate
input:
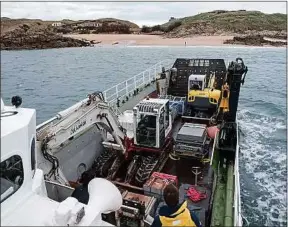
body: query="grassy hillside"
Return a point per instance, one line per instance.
(229, 22)
(9, 25)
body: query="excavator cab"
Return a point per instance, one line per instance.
(152, 122)
(196, 82)
(201, 97)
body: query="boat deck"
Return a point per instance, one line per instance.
(182, 168)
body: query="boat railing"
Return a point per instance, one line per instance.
(139, 81)
(119, 91)
(237, 200)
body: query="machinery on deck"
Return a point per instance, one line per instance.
(152, 122)
(202, 98)
(72, 123)
(138, 150)
(149, 139)
(137, 142)
(192, 141)
(136, 209)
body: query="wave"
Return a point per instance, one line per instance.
(265, 164)
(267, 107)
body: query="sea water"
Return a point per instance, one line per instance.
(52, 80)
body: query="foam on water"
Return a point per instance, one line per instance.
(265, 164)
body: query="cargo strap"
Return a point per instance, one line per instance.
(194, 195)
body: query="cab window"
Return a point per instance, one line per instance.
(11, 176)
(195, 85)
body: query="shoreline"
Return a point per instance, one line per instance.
(150, 40)
(157, 40)
(143, 40)
(151, 46)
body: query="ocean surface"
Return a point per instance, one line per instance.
(52, 80)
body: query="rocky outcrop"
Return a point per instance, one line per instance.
(255, 40)
(26, 38)
(17, 34)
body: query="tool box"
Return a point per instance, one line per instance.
(155, 185)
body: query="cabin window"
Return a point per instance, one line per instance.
(33, 158)
(146, 130)
(11, 175)
(196, 85)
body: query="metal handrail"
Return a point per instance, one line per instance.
(112, 98)
(127, 87)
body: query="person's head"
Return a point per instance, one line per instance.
(171, 195)
(85, 178)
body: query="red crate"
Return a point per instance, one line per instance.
(157, 182)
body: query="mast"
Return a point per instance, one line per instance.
(235, 71)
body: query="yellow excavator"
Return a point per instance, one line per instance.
(201, 98)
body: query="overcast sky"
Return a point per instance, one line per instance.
(142, 13)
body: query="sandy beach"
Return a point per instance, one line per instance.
(152, 40)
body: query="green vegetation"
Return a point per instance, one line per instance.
(239, 21)
(224, 22)
(161, 28)
(229, 23)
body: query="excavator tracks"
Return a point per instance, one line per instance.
(137, 171)
(115, 167)
(147, 167)
(103, 163)
(132, 168)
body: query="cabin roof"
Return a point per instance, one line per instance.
(13, 122)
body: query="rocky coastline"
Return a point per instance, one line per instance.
(23, 39)
(256, 40)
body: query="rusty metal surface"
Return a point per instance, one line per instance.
(137, 198)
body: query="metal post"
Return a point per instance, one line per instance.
(105, 96)
(196, 173)
(143, 76)
(127, 88)
(117, 91)
(135, 82)
(149, 75)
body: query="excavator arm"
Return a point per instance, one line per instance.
(228, 102)
(77, 119)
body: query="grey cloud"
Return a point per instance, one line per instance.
(147, 13)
